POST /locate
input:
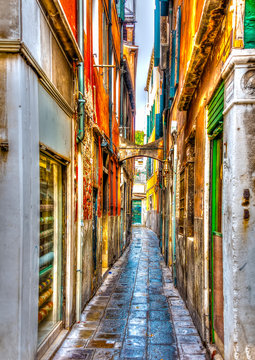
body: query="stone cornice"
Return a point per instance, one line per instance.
(210, 22)
(238, 57)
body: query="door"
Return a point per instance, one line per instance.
(94, 229)
(137, 212)
(217, 299)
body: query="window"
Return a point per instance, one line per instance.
(182, 202)
(151, 202)
(190, 155)
(111, 182)
(95, 162)
(112, 72)
(116, 200)
(95, 25)
(117, 94)
(105, 49)
(51, 247)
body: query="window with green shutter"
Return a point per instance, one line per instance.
(215, 113)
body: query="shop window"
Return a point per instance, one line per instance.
(51, 248)
(182, 202)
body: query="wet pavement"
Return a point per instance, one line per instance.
(136, 314)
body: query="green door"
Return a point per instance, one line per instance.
(216, 241)
(215, 132)
(137, 212)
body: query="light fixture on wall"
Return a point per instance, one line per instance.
(104, 143)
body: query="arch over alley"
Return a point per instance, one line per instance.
(128, 149)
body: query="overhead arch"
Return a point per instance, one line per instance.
(128, 149)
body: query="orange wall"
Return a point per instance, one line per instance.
(70, 9)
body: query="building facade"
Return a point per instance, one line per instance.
(61, 205)
(154, 132)
(205, 52)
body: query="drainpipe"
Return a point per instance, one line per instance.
(121, 77)
(174, 205)
(81, 101)
(111, 69)
(80, 136)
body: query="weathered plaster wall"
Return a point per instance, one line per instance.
(10, 22)
(19, 210)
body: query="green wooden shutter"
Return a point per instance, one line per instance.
(120, 9)
(177, 46)
(172, 65)
(215, 113)
(249, 24)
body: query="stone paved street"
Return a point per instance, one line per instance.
(136, 314)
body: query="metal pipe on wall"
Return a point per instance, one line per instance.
(111, 69)
(121, 77)
(81, 101)
(173, 131)
(80, 136)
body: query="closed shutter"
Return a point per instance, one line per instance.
(215, 113)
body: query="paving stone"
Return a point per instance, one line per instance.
(190, 339)
(139, 314)
(78, 354)
(136, 330)
(162, 352)
(193, 357)
(100, 343)
(74, 343)
(191, 349)
(135, 341)
(79, 333)
(102, 354)
(112, 326)
(134, 352)
(116, 313)
(160, 315)
(185, 331)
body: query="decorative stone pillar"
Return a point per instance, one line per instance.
(239, 205)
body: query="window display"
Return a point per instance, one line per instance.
(51, 233)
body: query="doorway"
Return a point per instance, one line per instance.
(217, 298)
(105, 214)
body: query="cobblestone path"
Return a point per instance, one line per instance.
(136, 314)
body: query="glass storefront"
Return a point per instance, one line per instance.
(51, 249)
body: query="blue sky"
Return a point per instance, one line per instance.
(144, 39)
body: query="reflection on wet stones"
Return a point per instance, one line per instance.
(131, 317)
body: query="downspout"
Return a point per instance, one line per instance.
(121, 77)
(111, 69)
(174, 208)
(81, 101)
(80, 136)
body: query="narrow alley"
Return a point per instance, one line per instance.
(127, 179)
(136, 314)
